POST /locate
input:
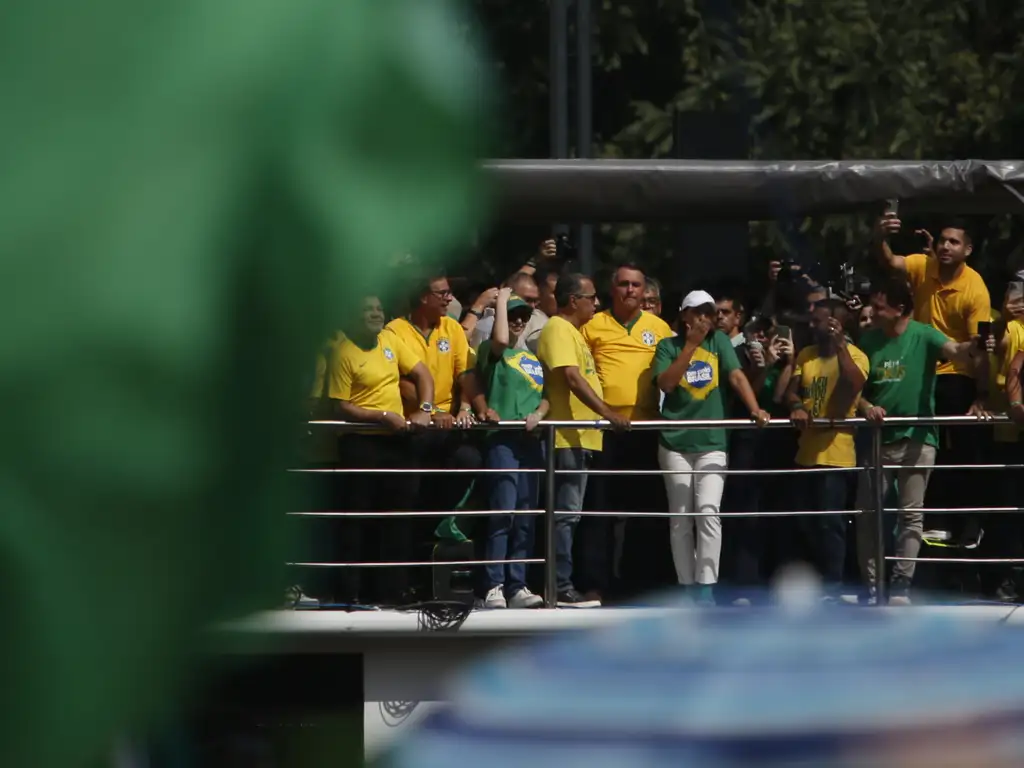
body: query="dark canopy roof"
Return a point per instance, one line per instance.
(674, 190)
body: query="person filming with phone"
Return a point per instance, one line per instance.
(827, 381)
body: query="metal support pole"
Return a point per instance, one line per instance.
(584, 119)
(558, 85)
(550, 550)
(559, 78)
(877, 476)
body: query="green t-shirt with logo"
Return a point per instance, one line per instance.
(701, 393)
(512, 383)
(901, 378)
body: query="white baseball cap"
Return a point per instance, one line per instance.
(697, 299)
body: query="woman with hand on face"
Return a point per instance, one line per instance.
(511, 389)
(691, 369)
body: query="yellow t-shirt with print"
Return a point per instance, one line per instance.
(369, 377)
(1006, 433)
(624, 356)
(818, 377)
(562, 346)
(955, 308)
(445, 352)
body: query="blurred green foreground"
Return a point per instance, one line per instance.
(190, 192)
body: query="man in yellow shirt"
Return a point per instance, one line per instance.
(622, 340)
(952, 297)
(361, 383)
(1004, 537)
(827, 380)
(441, 344)
(575, 393)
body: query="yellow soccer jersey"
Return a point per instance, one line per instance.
(445, 352)
(624, 356)
(369, 377)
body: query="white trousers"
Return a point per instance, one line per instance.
(694, 501)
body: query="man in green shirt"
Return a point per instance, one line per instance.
(690, 369)
(901, 382)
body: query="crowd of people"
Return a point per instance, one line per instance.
(922, 340)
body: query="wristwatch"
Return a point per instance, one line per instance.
(476, 313)
(427, 407)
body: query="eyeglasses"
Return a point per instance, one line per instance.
(650, 302)
(447, 294)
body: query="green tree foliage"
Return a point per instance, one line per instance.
(819, 79)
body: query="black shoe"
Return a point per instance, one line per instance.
(570, 598)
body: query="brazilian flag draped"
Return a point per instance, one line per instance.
(191, 191)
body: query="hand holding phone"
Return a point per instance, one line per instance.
(984, 334)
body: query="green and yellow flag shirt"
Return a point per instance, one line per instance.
(513, 382)
(901, 377)
(700, 394)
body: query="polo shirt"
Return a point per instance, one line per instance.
(624, 355)
(954, 308)
(445, 352)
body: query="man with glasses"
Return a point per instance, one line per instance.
(651, 301)
(440, 343)
(622, 340)
(575, 393)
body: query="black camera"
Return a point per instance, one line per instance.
(565, 249)
(790, 269)
(852, 283)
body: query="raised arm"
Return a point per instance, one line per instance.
(887, 226)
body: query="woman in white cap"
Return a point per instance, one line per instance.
(689, 369)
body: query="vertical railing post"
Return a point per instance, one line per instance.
(550, 548)
(878, 497)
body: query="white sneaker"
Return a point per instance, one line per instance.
(495, 598)
(524, 598)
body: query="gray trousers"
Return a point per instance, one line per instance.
(911, 482)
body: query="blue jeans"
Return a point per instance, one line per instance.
(511, 536)
(825, 535)
(569, 492)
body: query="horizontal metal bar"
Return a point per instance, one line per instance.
(956, 510)
(662, 424)
(421, 513)
(992, 560)
(414, 564)
(641, 472)
(952, 466)
(587, 513)
(601, 472)
(416, 471)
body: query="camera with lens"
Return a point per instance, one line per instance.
(565, 249)
(853, 284)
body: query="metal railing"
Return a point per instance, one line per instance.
(874, 466)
